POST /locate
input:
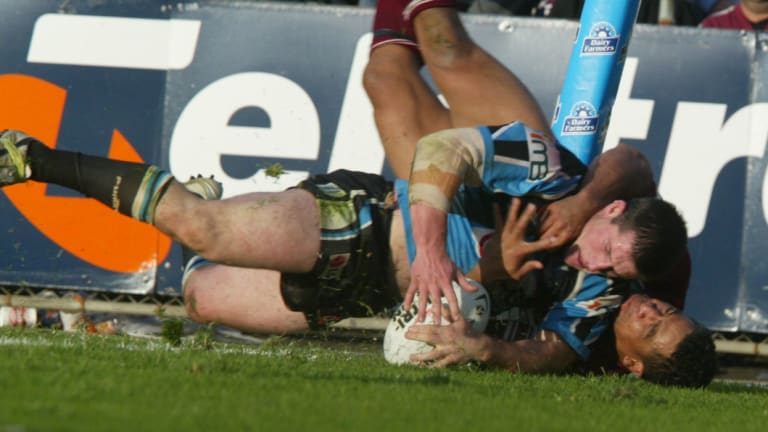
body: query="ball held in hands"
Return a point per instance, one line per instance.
(475, 308)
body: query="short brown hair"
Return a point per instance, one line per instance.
(661, 236)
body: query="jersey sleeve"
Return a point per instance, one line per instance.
(585, 314)
(522, 162)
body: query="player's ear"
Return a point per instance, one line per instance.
(615, 208)
(632, 364)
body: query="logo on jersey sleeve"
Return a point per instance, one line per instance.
(598, 305)
(538, 156)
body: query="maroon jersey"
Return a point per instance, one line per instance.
(733, 18)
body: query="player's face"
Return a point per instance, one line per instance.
(602, 247)
(647, 326)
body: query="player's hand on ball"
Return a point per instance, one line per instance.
(431, 281)
(455, 343)
(475, 311)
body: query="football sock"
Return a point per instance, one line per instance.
(386, 36)
(393, 22)
(388, 26)
(133, 189)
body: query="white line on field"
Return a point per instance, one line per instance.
(151, 345)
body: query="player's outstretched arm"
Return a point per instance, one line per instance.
(442, 162)
(506, 253)
(459, 343)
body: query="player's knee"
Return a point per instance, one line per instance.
(391, 67)
(378, 78)
(197, 301)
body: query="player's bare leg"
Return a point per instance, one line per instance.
(405, 108)
(272, 230)
(478, 88)
(246, 299)
(279, 231)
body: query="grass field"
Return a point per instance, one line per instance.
(55, 381)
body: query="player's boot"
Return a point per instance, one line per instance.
(205, 187)
(14, 166)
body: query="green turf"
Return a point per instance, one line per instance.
(51, 381)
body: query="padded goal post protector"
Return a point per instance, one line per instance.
(589, 90)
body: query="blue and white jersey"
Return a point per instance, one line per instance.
(520, 162)
(581, 315)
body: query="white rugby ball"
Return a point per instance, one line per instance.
(475, 308)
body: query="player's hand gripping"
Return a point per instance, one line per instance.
(432, 274)
(505, 255)
(455, 343)
(433, 271)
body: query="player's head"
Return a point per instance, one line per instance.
(656, 341)
(640, 238)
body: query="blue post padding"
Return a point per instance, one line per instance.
(589, 90)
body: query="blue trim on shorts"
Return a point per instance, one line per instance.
(194, 263)
(401, 190)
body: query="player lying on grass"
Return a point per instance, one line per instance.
(480, 90)
(337, 245)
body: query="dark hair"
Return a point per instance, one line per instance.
(661, 237)
(693, 364)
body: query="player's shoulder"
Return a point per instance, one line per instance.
(516, 130)
(517, 140)
(722, 19)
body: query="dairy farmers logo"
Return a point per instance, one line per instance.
(602, 40)
(582, 119)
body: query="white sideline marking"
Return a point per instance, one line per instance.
(128, 346)
(11, 341)
(137, 43)
(23, 341)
